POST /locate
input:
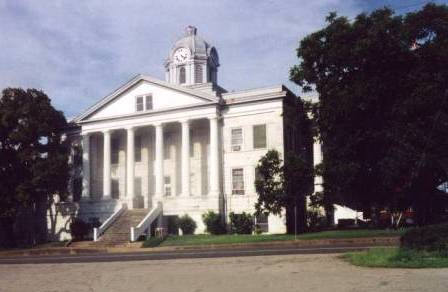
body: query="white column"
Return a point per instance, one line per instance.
(185, 158)
(130, 167)
(214, 156)
(106, 165)
(85, 166)
(159, 161)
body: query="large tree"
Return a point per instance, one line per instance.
(383, 110)
(33, 159)
(282, 185)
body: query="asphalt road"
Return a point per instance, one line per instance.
(178, 254)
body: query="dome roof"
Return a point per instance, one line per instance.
(198, 47)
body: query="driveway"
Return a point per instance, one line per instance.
(260, 273)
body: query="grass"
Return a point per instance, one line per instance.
(398, 258)
(243, 238)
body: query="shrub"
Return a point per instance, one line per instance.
(186, 224)
(430, 238)
(315, 221)
(79, 229)
(241, 223)
(213, 223)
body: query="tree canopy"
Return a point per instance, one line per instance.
(33, 156)
(382, 115)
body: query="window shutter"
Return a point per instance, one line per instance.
(148, 102)
(139, 103)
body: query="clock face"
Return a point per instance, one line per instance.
(181, 55)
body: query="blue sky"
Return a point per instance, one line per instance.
(79, 51)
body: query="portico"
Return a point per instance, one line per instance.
(167, 152)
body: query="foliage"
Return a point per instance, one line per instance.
(430, 238)
(186, 224)
(397, 258)
(382, 115)
(213, 223)
(315, 220)
(241, 223)
(282, 186)
(33, 155)
(79, 229)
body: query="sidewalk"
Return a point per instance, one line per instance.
(135, 247)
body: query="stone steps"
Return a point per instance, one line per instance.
(119, 233)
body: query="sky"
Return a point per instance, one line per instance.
(80, 51)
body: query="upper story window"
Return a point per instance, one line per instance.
(143, 102)
(198, 74)
(237, 139)
(237, 181)
(182, 75)
(259, 136)
(148, 100)
(139, 103)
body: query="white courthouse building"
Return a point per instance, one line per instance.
(180, 146)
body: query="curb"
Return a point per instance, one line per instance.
(371, 241)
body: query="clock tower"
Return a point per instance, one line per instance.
(193, 62)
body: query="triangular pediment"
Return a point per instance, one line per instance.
(122, 102)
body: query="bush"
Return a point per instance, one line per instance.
(241, 223)
(186, 224)
(213, 223)
(315, 221)
(430, 238)
(79, 229)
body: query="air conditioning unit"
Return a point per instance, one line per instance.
(236, 147)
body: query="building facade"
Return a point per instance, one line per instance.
(185, 144)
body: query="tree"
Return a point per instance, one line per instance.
(33, 159)
(284, 187)
(382, 115)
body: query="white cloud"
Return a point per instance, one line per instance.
(79, 51)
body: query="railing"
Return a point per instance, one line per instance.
(146, 222)
(97, 232)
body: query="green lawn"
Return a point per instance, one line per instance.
(397, 258)
(233, 238)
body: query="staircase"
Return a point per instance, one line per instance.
(118, 234)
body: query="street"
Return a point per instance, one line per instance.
(324, 272)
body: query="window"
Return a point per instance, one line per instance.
(237, 181)
(259, 136)
(261, 222)
(138, 186)
(139, 103)
(258, 175)
(115, 189)
(115, 145)
(138, 149)
(182, 77)
(143, 102)
(167, 186)
(148, 100)
(237, 139)
(198, 73)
